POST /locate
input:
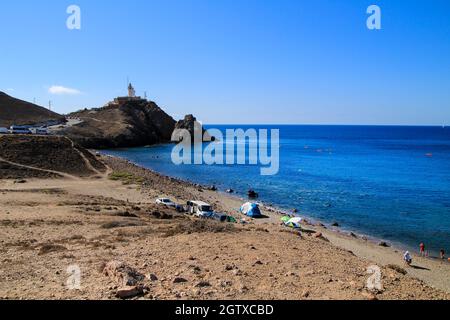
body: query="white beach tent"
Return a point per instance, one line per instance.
(251, 210)
(294, 222)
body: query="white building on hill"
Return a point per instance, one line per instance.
(131, 91)
(131, 97)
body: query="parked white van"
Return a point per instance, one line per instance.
(199, 209)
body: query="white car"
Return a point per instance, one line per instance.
(166, 202)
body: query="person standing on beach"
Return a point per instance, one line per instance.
(422, 249)
(442, 253)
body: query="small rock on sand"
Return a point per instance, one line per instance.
(370, 296)
(229, 267)
(179, 280)
(243, 288)
(203, 284)
(129, 292)
(237, 272)
(122, 273)
(152, 277)
(257, 262)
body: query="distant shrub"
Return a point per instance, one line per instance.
(48, 248)
(122, 224)
(125, 177)
(200, 226)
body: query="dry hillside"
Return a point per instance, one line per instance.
(41, 157)
(19, 112)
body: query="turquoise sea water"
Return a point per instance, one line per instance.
(387, 182)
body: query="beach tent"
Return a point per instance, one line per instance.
(251, 210)
(285, 219)
(294, 222)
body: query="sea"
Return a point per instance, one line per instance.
(390, 183)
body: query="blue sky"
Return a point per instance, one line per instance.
(248, 61)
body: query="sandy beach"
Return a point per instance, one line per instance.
(218, 158)
(50, 225)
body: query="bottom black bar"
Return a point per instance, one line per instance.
(216, 309)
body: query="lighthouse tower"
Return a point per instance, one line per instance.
(131, 91)
(131, 97)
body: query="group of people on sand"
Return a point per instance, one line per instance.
(424, 253)
(407, 256)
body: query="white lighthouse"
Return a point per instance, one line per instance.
(131, 91)
(131, 97)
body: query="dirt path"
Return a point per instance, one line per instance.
(86, 160)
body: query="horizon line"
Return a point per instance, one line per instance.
(325, 124)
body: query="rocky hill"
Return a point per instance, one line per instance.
(130, 123)
(45, 157)
(19, 112)
(191, 124)
(124, 123)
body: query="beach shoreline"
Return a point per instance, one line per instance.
(364, 183)
(280, 212)
(364, 246)
(49, 225)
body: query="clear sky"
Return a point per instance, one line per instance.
(228, 61)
